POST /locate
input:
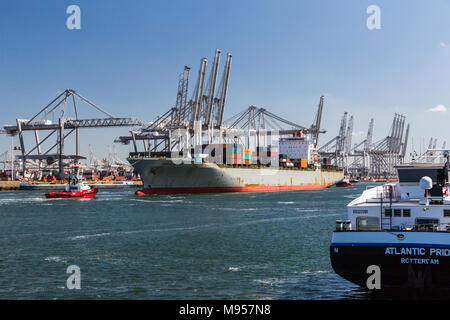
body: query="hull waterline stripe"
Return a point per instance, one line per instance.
(229, 189)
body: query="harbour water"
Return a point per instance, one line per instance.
(205, 246)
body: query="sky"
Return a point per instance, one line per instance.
(127, 57)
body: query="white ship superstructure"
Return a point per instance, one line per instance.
(402, 228)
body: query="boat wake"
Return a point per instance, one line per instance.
(87, 236)
(56, 259)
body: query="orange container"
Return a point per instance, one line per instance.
(304, 163)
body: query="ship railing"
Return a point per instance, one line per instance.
(389, 191)
(343, 225)
(436, 227)
(346, 225)
(138, 155)
(385, 193)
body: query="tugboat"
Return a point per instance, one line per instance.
(344, 183)
(75, 190)
(399, 230)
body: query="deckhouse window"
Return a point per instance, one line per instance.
(397, 212)
(388, 212)
(446, 213)
(407, 212)
(427, 224)
(367, 223)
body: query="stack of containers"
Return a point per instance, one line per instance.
(232, 153)
(327, 161)
(237, 154)
(247, 156)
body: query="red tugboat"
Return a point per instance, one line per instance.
(344, 183)
(76, 190)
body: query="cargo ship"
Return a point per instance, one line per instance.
(191, 148)
(243, 172)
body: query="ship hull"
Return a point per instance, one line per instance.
(406, 259)
(91, 193)
(162, 176)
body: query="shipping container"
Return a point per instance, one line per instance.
(303, 163)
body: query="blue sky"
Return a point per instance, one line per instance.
(286, 54)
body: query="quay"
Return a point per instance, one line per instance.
(32, 185)
(9, 185)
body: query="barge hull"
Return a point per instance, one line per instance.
(406, 259)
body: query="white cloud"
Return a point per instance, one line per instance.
(443, 44)
(438, 108)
